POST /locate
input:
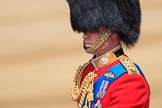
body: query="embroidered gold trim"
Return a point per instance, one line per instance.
(129, 65)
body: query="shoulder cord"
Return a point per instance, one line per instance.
(85, 92)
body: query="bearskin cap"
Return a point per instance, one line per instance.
(120, 16)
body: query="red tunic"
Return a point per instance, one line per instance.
(126, 91)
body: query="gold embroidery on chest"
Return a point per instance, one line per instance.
(109, 75)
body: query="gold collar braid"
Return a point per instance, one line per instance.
(103, 37)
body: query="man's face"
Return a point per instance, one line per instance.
(90, 38)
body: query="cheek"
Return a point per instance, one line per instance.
(94, 40)
(95, 37)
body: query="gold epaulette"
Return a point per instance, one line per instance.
(129, 65)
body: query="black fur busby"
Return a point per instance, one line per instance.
(120, 16)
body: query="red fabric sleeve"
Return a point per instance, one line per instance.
(129, 91)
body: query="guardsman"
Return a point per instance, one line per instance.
(110, 79)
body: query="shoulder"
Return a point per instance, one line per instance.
(129, 65)
(130, 87)
(127, 85)
(124, 65)
(126, 73)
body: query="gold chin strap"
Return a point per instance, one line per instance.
(103, 37)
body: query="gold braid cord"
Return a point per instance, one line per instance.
(85, 91)
(103, 37)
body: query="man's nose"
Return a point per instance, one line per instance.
(85, 36)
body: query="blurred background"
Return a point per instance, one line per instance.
(39, 53)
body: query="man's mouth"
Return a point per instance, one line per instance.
(88, 45)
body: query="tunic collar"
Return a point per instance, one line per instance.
(108, 57)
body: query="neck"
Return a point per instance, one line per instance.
(103, 51)
(108, 51)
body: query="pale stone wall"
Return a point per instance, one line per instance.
(39, 53)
